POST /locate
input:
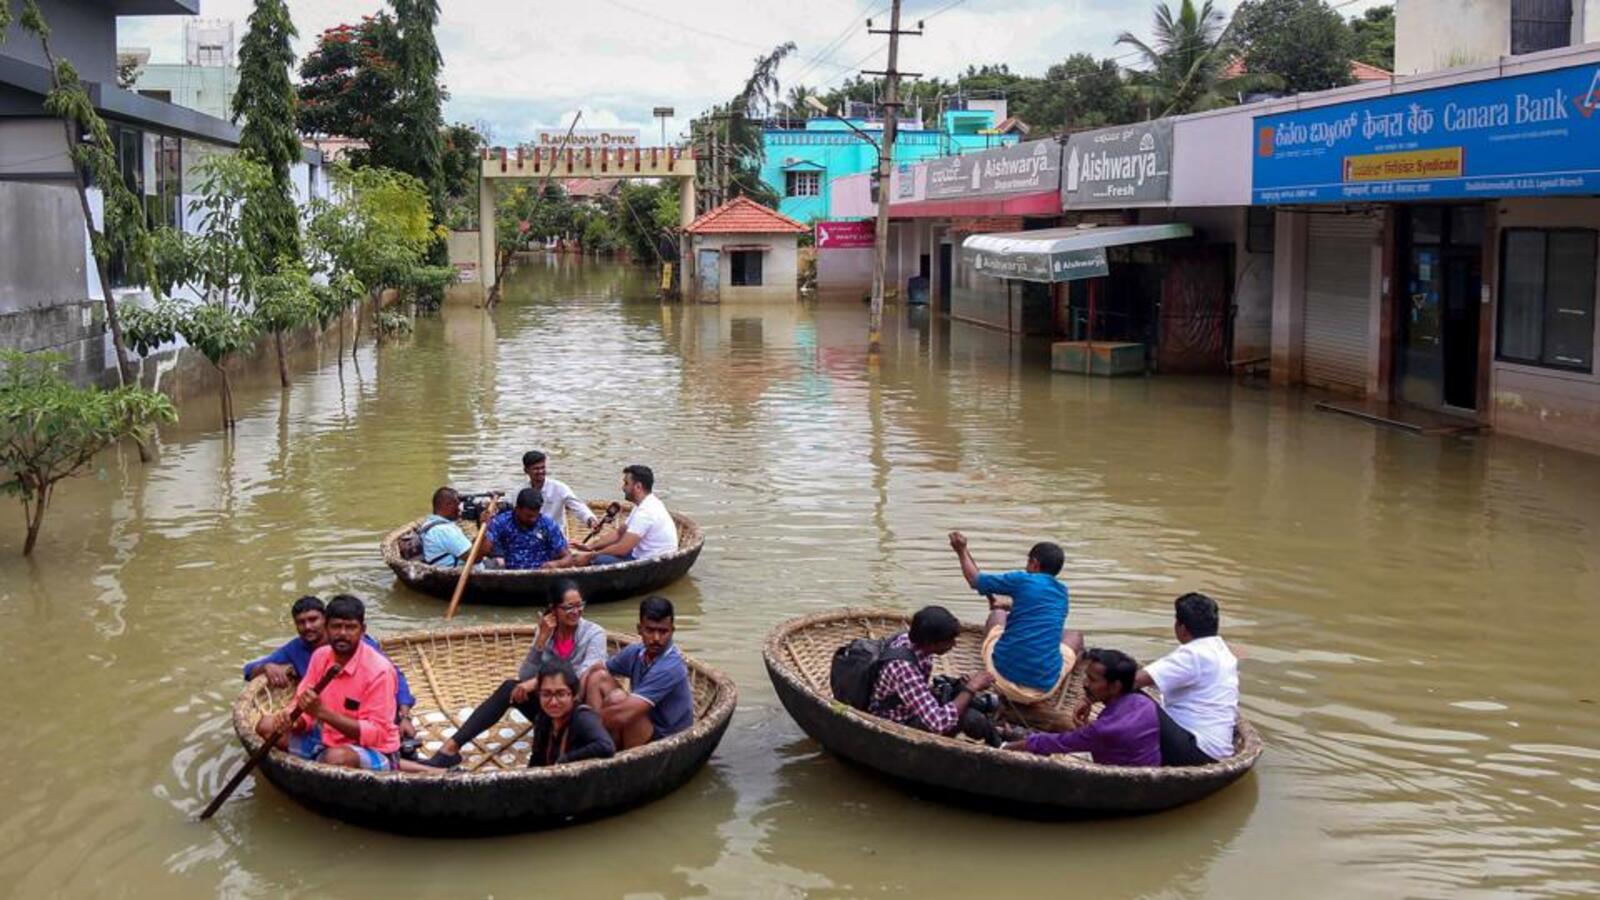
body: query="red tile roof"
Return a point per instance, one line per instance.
(590, 187)
(1359, 71)
(741, 215)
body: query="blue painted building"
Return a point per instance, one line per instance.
(803, 158)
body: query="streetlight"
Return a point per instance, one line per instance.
(663, 113)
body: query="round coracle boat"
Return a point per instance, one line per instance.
(493, 791)
(798, 656)
(531, 587)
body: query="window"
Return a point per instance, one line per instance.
(1540, 25)
(1547, 298)
(802, 184)
(746, 267)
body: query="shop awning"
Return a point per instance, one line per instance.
(1058, 254)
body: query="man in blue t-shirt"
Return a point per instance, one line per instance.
(1029, 650)
(525, 538)
(661, 702)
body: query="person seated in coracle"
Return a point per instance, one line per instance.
(1028, 649)
(524, 538)
(902, 693)
(1128, 730)
(660, 702)
(351, 723)
(558, 498)
(650, 531)
(563, 729)
(443, 542)
(564, 636)
(288, 664)
(1199, 685)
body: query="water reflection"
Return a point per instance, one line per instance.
(1412, 613)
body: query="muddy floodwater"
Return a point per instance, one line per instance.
(1416, 616)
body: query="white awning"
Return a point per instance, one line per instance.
(1059, 254)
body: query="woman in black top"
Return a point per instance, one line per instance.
(565, 730)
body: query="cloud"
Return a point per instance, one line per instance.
(519, 65)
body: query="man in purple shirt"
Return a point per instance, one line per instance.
(1127, 731)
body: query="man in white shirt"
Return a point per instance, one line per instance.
(650, 531)
(558, 498)
(1199, 685)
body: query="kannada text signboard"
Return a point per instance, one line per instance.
(1018, 169)
(1527, 135)
(846, 235)
(1119, 166)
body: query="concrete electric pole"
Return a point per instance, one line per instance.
(891, 116)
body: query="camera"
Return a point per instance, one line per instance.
(473, 505)
(945, 688)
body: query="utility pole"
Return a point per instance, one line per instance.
(891, 117)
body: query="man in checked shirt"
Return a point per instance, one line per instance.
(901, 692)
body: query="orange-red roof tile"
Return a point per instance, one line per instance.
(741, 215)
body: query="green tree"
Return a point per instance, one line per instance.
(218, 266)
(265, 105)
(462, 145)
(1303, 42)
(1077, 93)
(1185, 62)
(1372, 37)
(735, 129)
(94, 159)
(350, 87)
(50, 430)
(421, 124)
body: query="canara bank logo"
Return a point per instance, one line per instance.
(1266, 137)
(1589, 101)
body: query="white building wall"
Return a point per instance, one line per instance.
(1430, 35)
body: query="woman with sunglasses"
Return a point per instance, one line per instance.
(564, 635)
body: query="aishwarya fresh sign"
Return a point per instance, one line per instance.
(1525, 135)
(845, 235)
(1118, 166)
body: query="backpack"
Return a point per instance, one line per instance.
(411, 542)
(854, 672)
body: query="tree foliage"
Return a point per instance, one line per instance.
(1303, 42)
(1372, 37)
(1186, 61)
(736, 128)
(51, 430)
(462, 145)
(265, 103)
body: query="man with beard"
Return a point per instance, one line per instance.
(351, 723)
(661, 703)
(288, 664)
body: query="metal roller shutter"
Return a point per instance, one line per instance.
(1338, 299)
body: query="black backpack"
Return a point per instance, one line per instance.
(854, 672)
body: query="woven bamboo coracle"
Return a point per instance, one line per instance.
(799, 653)
(531, 587)
(494, 790)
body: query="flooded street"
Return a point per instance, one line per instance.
(1415, 616)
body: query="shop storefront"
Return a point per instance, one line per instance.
(1441, 248)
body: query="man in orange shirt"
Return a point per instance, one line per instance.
(352, 722)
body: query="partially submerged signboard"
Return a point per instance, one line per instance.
(1028, 168)
(1528, 135)
(1119, 166)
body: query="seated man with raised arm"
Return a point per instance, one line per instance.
(1028, 648)
(1128, 730)
(650, 531)
(902, 693)
(660, 702)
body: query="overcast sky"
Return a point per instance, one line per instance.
(519, 65)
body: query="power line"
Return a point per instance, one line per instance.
(839, 40)
(711, 34)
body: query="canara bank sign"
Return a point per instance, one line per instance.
(1524, 135)
(1117, 166)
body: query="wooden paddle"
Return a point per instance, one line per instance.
(267, 745)
(472, 555)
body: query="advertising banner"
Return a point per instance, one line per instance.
(1018, 169)
(846, 235)
(608, 139)
(1528, 135)
(1026, 262)
(1118, 166)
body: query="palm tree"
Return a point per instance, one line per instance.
(794, 104)
(1186, 68)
